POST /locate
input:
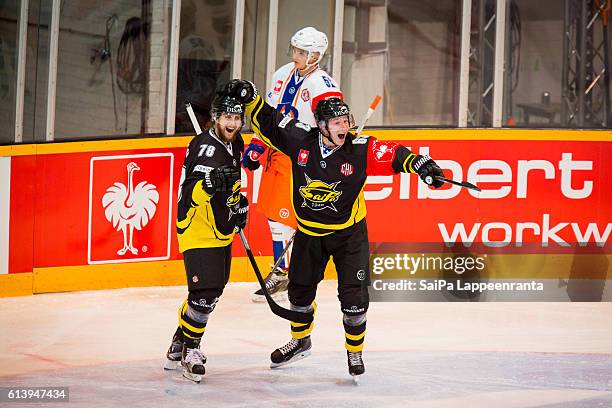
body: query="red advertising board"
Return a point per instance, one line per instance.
(80, 208)
(547, 193)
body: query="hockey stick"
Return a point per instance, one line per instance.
(192, 117)
(463, 184)
(368, 114)
(294, 316)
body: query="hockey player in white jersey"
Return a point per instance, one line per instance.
(296, 89)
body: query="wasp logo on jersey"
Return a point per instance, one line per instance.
(233, 201)
(319, 195)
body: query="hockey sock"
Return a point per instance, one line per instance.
(301, 330)
(281, 235)
(354, 332)
(278, 248)
(192, 324)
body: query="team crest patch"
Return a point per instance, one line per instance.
(383, 152)
(346, 169)
(305, 95)
(319, 195)
(303, 157)
(233, 201)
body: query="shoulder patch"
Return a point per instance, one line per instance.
(284, 122)
(361, 140)
(304, 126)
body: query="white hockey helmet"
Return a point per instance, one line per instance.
(311, 40)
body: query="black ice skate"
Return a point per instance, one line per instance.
(276, 285)
(355, 364)
(293, 351)
(193, 364)
(174, 354)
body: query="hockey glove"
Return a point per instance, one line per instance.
(252, 154)
(243, 212)
(427, 169)
(221, 179)
(242, 90)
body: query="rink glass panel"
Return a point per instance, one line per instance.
(9, 15)
(293, 16)
(111, 70)
(406, 51)
(534, 57)
(205, 57)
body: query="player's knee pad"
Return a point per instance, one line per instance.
(354, 319)
(301, 295)
(354, 300)
(203, 301)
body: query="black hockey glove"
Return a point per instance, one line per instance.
(243, 212)
(221, 179)
(240, 89)
(427, 169)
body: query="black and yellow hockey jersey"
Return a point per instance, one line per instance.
(205, 221)
(327, 187)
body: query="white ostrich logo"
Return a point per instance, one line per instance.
(130, 208)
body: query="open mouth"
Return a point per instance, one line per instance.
(341, 136)
(230, 129)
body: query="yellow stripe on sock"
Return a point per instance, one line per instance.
(181, 311)
(353, 349)
(301, 335)
(354, 337)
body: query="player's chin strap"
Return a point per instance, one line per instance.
(314, 64)
(323, 135)
(309, 69)
(326, 136)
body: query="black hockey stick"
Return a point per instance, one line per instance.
(293, 315)
(464, 184)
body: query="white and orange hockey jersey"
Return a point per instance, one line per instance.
(297, 97)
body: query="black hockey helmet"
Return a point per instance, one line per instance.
(332, 108)
(226, 104)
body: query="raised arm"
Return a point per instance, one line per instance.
(386, 158)
(271, 127)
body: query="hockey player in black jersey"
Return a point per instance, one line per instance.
(210, 206)
(329, 170)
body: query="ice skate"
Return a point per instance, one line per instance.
(276, 285)
(293, 351)
(193, 364)
(174, 354)
(355, 365)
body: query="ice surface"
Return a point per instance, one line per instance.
(109, 348)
